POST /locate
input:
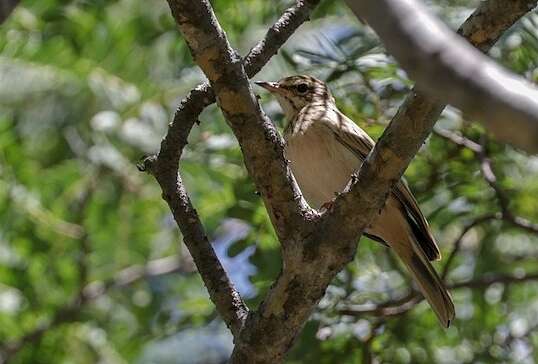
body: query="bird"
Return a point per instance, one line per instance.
(324, 148)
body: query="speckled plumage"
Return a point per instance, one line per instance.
(324, 148)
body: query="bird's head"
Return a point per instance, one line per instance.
(295, 92)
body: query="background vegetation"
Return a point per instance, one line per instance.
(91, 269)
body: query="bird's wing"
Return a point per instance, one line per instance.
(359, 143)
(416, 220)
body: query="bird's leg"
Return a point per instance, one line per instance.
(327, 206)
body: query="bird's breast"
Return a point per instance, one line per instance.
(321, 165)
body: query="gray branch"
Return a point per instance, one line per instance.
(260, 142)
(413, 123)
(274, 181)
(202, 96)
(165, 165)
(314, 248)
(450, 69)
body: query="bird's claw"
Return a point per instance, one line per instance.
(327, 206)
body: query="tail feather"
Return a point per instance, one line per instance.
(430, 284)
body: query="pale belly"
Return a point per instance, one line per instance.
(321, 165)
(323, 168)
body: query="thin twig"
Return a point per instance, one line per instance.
(487, 170)
(405, 304)
(488, 280)
(457, 243)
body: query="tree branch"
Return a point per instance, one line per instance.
(457, 243)
(489, 279)
(221, 290)
(6, 8)
(458, 139)
(386, 309)
(434, 56)
(317, 248)
(203, 95)
(133, 274)
(260, 142)
(405, 304)
(487, 171)
(164, 166)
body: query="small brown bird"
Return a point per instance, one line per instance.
(324, 148)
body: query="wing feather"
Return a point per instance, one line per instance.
(360, 144)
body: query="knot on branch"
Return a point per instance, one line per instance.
(147, 164)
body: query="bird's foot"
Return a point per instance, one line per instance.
(327, 206)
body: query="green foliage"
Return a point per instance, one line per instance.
(89, 87)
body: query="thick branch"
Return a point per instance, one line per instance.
(414, 121)
(457, 243)
(434, 56)
(308, 265)
(165, 166)
(202, 96)
(268, 334)
(256, 134)
(260, 142)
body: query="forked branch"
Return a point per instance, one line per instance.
(314, 249)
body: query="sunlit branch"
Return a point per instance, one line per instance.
(262, 146)
(458, 139)
(433, 55)
(190, 108)
(165, 165)
(310, 262)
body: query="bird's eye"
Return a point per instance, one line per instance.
(302, 88)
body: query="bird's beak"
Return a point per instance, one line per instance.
(270, 86)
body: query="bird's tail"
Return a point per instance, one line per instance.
(429, 282)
